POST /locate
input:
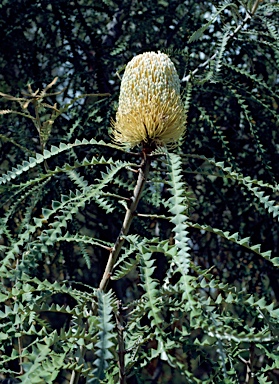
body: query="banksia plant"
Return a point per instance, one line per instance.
(150, 110)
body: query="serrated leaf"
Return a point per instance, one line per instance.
(198, 34)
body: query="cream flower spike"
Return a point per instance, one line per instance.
(150, 110)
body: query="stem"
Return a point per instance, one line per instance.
(255, 6)
(142, 176)
(19, 340)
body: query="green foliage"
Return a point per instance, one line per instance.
(105, 335)
(193, 295)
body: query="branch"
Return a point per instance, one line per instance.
(130, 213)
(231, 35)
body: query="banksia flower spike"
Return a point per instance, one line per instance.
(150, 110)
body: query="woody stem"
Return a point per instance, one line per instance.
(130, 212)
